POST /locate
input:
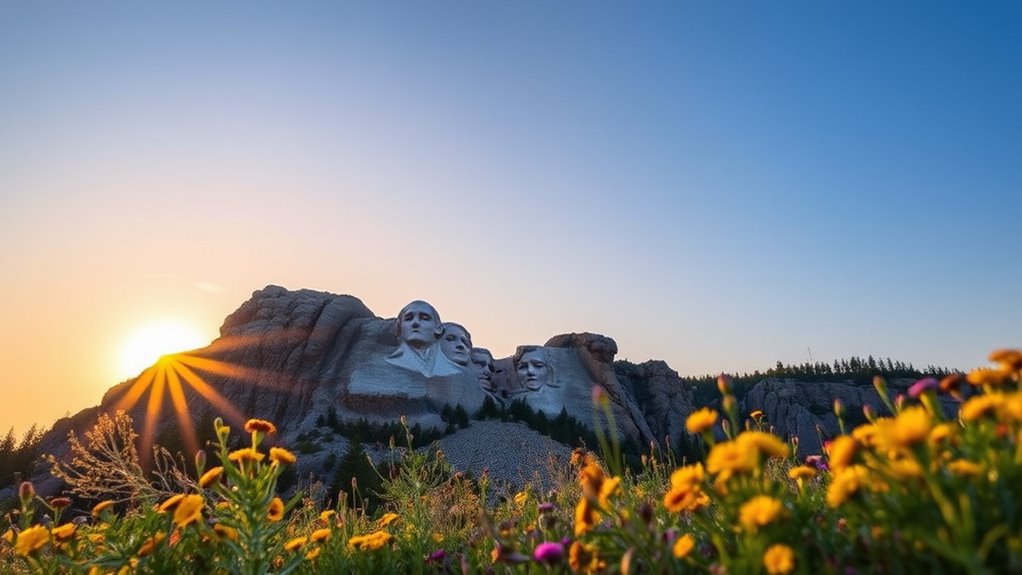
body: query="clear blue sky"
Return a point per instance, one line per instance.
(718, 184)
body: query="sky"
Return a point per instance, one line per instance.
(721, 185)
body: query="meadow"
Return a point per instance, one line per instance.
(919, 491)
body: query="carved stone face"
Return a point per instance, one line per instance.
(533, 370)
(418, 324)
(456, 344)
(482, 366)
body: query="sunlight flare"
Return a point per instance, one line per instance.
(147, 345)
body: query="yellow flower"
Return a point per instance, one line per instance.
(905, 468)
(63, 533)
(583, 558)
(610, 488)
(685, 499)
(865, 433)
(521, 497)
(371, 541)
(226, 531)
(910, 427)
(987, 376)
(149, 544)
(327, 515)
(701, 420)
(313, 553)
(586, 516)
(683, 546)
(319, 535)
(756, 414)
(591, 478)
(282, 456)
(101, 507)
(767, 444)
(31, 539)
(965, 467)
(245, 455)
(295, 543)
(941, 432)
(759, 512)
(209, 477)
(845, 483)
(387, 519)
(8, 536)
(801, 472)
(170, 503)
(982, 406)
(276, 510)
(260, 425)
(841, 452)
(189, 510)
(1010, 359)
(731, 457)
(779, 559)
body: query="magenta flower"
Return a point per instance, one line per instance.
(546, 507)
(922, 386)
(549, 552)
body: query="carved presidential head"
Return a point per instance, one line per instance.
(532, 367)
(456, 343)
(482, 367)
(418, 324)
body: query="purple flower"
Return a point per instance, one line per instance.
(922, 386)
(549, 552)
(546, 506)
(436, 556)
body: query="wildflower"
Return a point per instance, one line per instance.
(295, 543)
(64, 532)
(59, 502)
(583, 558)
(841, 452)
(759, 512)
(101, 507)
(910, 427)
(549, 552)
(436, 556)
(276, 510)
(8, 536)
(313, 553)
(922, 386)
(610, 488)
(845, 483)
(965, 467)
(170, 503)
(600, 398)
(586, 516)
(683, 546)
(986, 376)
(26, 491)
(282, 456)
(327, 515)
(767, 444)
(387, 519)
(150, 544)
(591, 478)
(905, 468)
(547, 507)
(521, 497)
(981, 406)
(260, 425)
(779, 559)
(801, 472)
(188, 510)
(952, 384)
(246, 454)
(31, 539)
(701, 420)
(319, 535)
(1010, 359)
(226, 531)
(724, 384)
(757, 414)
(210, 477)
(371, 541)
(729, 458)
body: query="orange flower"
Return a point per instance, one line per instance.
(371, 541)
(226, 531)
(150, 544)
(730, 457)
(767, 444)
(841, 452)
(387, 519)
(295, 543)
(683, 546)
(701, 420)
(210, 477)
(779, 559)
(282, 456)
(276, 510)
(246, 454)
(189, 510)
(31, 539)
(987, 376)
(101, 507)
(260, 425)
(320, 535)
(1010, 359)
(845, 483)
(170, 503)
(586, 516)
(759, 512)
(801, 472)
(63, 533)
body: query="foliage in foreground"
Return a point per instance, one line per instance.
(917, 492)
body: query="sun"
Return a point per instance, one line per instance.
(149, 343)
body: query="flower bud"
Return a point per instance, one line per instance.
(600, 398)
(839, 408)
(724, 384)
(200, 460)
(26, 492)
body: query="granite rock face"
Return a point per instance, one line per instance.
(664, 399)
